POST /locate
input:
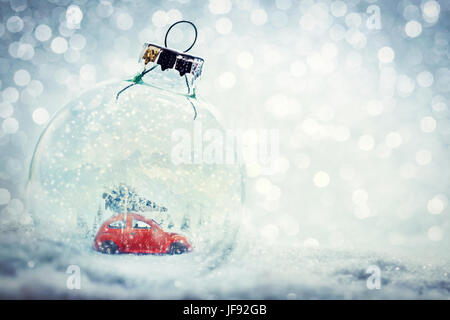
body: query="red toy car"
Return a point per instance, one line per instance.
(133, 233)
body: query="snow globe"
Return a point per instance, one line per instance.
(151, 136)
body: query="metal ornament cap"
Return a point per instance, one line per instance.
(172, 59)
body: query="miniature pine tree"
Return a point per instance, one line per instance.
(97, 220)
(123, 199)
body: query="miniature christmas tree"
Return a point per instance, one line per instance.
(121, 196)
(97, 220)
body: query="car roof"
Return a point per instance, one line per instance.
(135, 215)
(132, 214)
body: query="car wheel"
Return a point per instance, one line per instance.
(177, 248)
(109, 247)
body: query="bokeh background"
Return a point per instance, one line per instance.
(361, 106)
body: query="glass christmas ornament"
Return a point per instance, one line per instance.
(143, 150)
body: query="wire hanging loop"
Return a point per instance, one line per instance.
(178, 22)
(138, 78)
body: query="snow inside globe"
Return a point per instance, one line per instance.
(143, 151)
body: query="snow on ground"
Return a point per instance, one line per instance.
(32, 266)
